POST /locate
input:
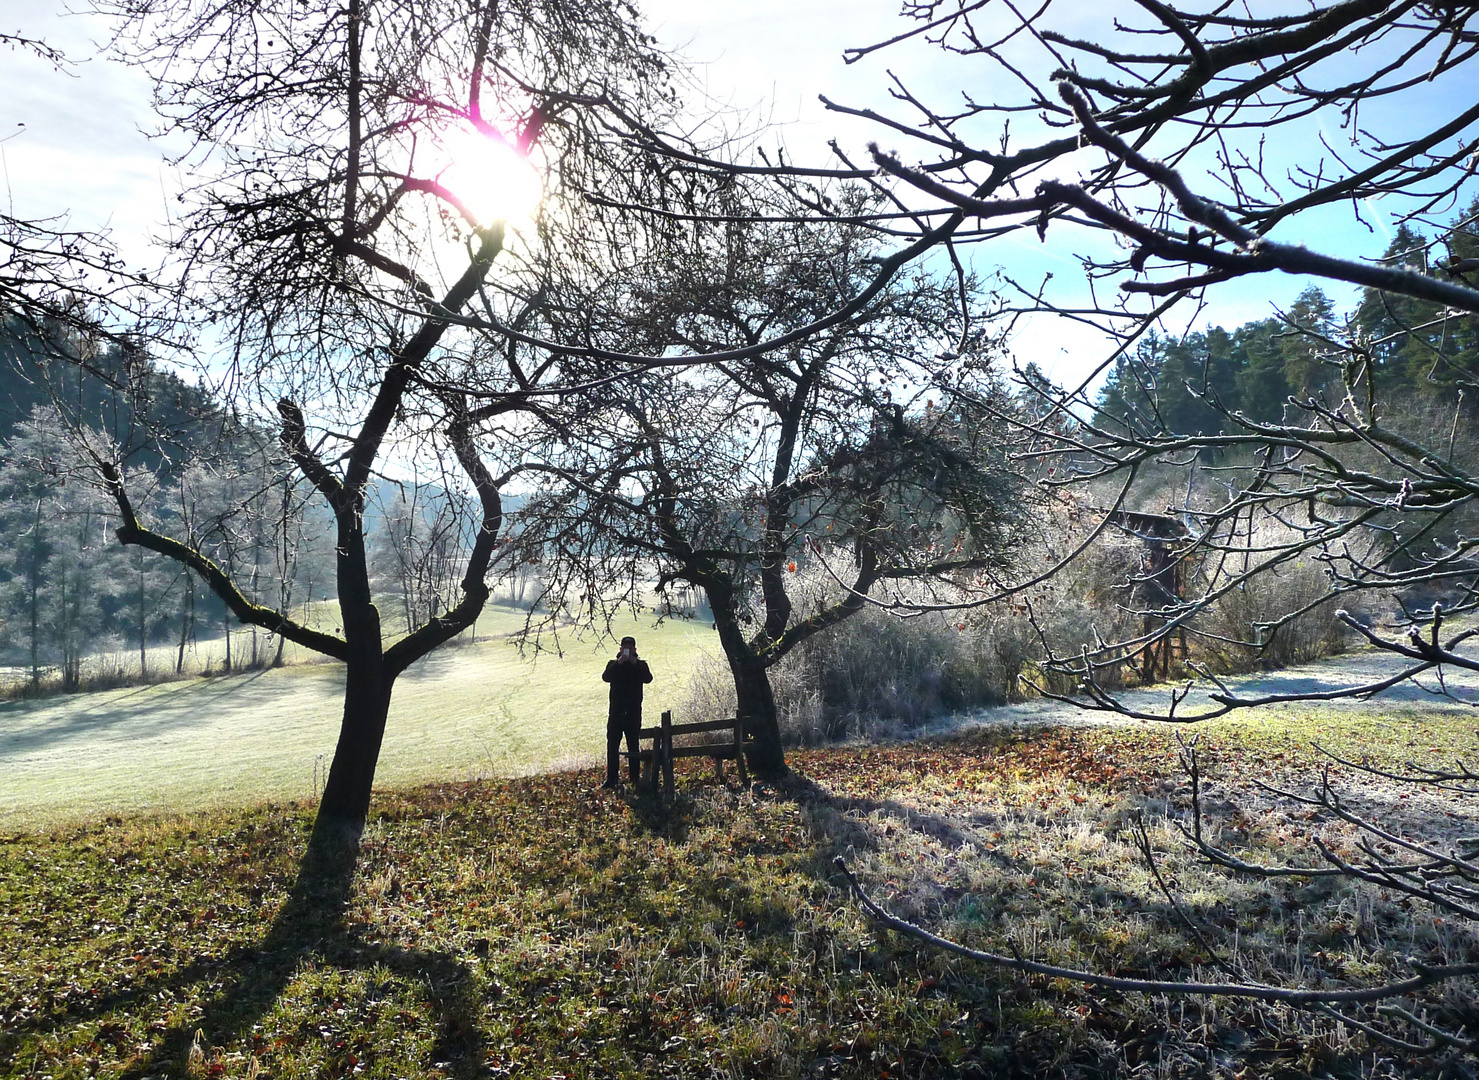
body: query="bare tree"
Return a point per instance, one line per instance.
(1185, 128)
(830, 454)
(419, 551)
(1203, 145)
(316, 234)
(53, 275)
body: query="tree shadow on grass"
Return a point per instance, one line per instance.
(658, 817)
(840, 826)
(839, 823)
(312, 928)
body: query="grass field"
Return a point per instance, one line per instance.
(204, 654)
(466, 711)
(504, 924)
(536, 928)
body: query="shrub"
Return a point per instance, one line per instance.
(1239, 635)
(871, 673)
(878, 671)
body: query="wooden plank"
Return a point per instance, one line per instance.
(702, 725)
(667, 754)
(689, 729)
(717, 746)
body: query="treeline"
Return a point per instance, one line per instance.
(71, 595)
(68, 590)
(1414, 351)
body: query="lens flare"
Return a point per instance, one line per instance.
(492, 179)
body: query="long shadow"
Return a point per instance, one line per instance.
(652, 815)
(312, 926)
(844, 835)
(89, 721)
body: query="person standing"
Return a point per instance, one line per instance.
(627, 674)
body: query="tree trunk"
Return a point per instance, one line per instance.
(766, 756)
(71, 662)
(187, 620)
(35, 591)
(346, 797)
(143, 623)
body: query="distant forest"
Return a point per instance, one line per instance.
(70, 593)
(1418, 355)
(68, 590)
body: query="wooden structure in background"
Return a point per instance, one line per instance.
(1161, 582)
(660, 756)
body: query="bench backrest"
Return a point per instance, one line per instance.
(661, 756)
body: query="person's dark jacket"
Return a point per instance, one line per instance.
(626, 681)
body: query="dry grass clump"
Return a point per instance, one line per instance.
(1249, 626)
(1036, 856)
(871, 676)
(536, 927)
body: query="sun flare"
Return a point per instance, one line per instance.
(492, 179)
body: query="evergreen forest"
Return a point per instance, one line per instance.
(1417, 353)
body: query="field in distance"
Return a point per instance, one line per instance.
(464, 712)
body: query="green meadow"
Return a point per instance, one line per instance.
(465, 712)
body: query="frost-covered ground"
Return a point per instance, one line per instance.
(462, 713)
(477, 712)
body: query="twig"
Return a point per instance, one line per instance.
(1426, 975)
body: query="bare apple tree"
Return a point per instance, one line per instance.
(331, 254)
(831, 454)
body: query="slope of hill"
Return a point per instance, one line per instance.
(469, 711)
(537, 927)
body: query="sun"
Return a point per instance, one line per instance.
(492, 179)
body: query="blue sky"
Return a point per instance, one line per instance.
(72, 142)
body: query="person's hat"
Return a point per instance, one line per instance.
(629, 641)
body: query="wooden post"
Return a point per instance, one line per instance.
(667, 754)
(739, 751)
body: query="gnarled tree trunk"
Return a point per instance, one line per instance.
(766, 757)
(756, 700)
(346, 798)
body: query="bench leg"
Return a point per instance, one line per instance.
(667, 753)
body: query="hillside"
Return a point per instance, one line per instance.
(467, 711)
(535, 927)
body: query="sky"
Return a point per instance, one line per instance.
(73, 142)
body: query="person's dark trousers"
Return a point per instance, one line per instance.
(622, 722)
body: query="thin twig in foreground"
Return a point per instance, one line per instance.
(1426, 975)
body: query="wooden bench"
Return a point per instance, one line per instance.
(662, 753)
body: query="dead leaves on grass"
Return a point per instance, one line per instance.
(534, 927)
